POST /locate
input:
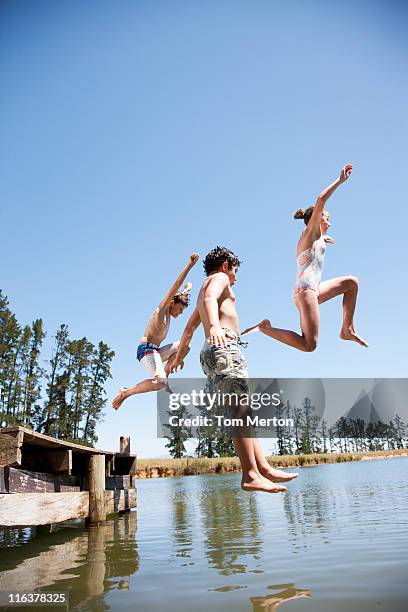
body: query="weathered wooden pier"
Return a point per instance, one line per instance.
(44, 480)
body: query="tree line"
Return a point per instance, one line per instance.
(64, 399)
(309, 434)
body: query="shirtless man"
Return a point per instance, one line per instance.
(222, 360)
(149, 352)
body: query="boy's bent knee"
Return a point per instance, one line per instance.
(352, 283)
(310, 345)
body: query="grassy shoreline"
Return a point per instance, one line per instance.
(159, 468)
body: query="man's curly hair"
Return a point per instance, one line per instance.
(216, 257)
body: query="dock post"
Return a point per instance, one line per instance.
(124, 445)
(96, 480)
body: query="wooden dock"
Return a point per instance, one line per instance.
(44, 480)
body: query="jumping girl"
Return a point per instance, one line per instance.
(309, 291)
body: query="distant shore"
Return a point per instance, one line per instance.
(190, 466)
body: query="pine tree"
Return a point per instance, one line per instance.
(10, 341)
(96, 400)
(48, 415)
(80, 352)
(178, 434)
(400, 431)
(33, 374)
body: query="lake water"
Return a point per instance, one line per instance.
(336, 541)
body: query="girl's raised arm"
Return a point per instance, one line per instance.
(314, 223)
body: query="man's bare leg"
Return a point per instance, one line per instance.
(252, 479)
(267, 470)
(308, 307)
(348, 286)
(143, 387)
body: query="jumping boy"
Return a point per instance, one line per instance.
(149, 352)
(223, 362)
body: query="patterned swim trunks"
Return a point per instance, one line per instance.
(226, 368)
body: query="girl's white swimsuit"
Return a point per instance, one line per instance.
(309, 268)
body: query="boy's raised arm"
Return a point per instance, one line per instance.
(179, 280)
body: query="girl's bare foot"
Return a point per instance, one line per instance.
(277, 475)
(264, 324)
(118, 399)
(348, 333)
(259, 483)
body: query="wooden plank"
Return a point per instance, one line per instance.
(14, 432)
(23, 481)
(49, 461)
(26, 509)
(120, 500)
(10, 448)
(3, 486)
(35, 438)
(118, 482)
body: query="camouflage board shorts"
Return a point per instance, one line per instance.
(226, 368)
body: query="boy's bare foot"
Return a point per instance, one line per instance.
(259, 483)
(118, 399)
(277, 475)
(348, 333)
(262, 326)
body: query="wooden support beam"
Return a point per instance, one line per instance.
(118, 482)
(109, 465)
(25, 509)
(23, 481)
(96, 481)
(3, 484)
(10, 448)
(120, 500)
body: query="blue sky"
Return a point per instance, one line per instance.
(135, 133)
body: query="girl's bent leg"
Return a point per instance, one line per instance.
(308, 307)
(348, 287)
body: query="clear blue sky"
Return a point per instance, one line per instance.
(134, 133)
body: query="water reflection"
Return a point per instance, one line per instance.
(182, 532)
(86, 561)
(201, 542)
(286, 592)
(230, 522)
(310, 513)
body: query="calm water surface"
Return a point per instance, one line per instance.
(337, 541)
